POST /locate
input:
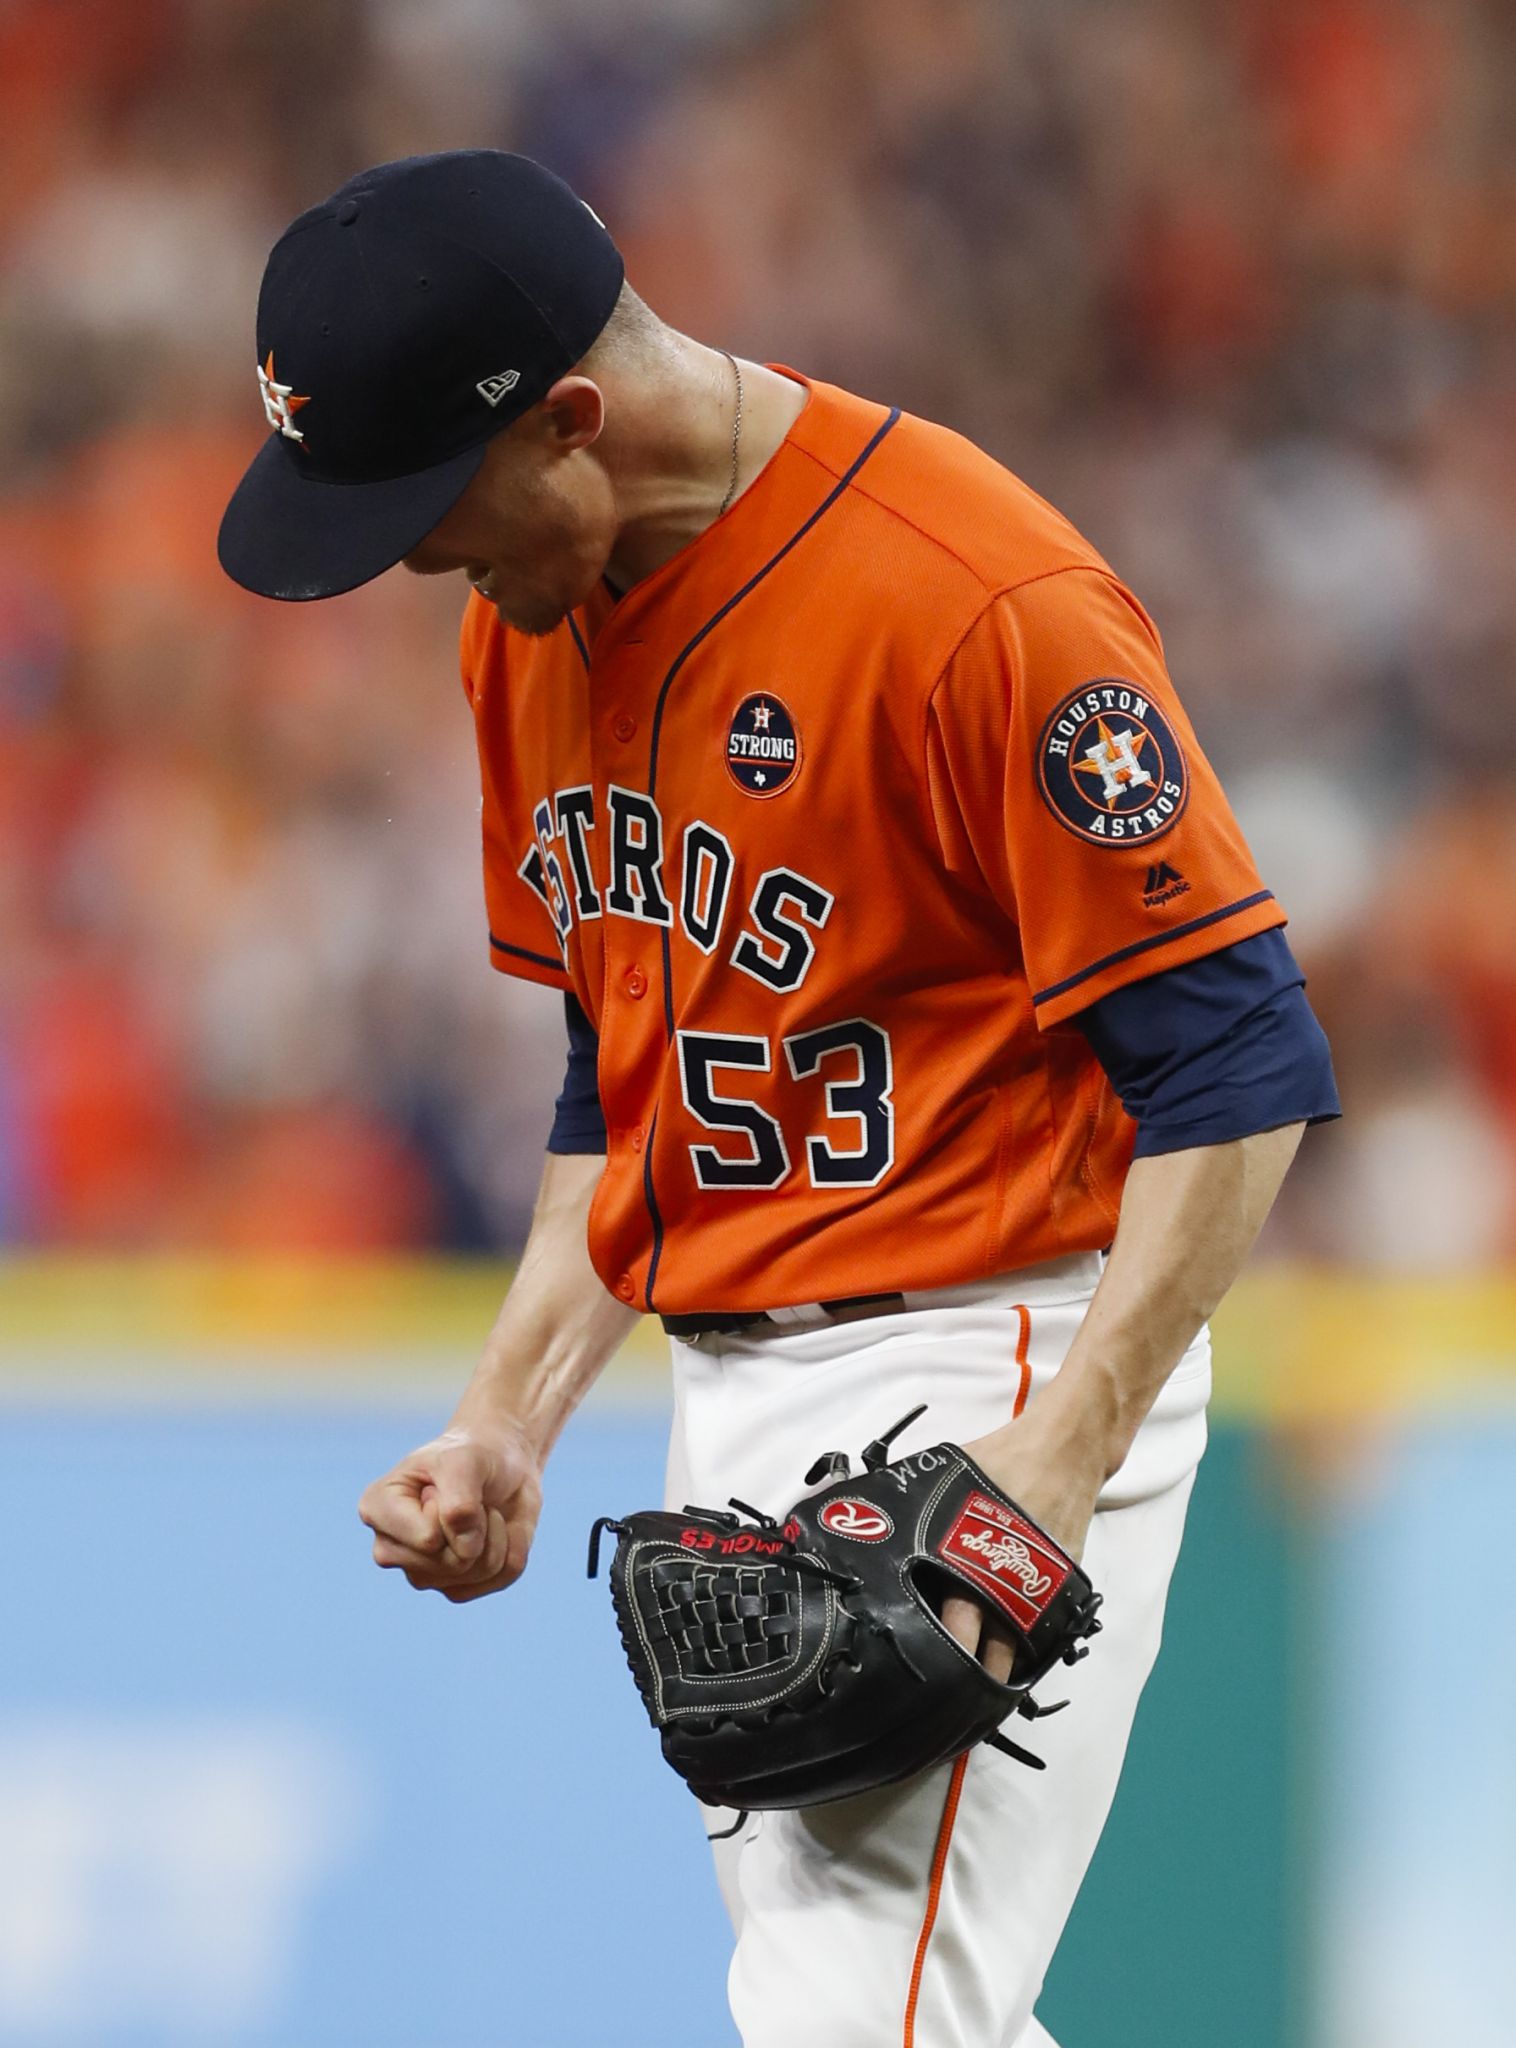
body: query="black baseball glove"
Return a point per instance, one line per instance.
(787, 1664)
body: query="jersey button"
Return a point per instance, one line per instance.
(625, 727)
(639, 1137)
(626, 1287)
(636, 983)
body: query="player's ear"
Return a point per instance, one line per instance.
(571, 414)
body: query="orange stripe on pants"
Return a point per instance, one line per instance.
(1023, 1341)
(955, 1782)
(933, 1895)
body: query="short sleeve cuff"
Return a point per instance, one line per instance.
(1192, 940)
(526, 965)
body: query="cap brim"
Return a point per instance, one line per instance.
(291, 536)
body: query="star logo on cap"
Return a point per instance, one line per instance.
(279, 401)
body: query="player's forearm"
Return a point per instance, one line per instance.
(558, 1325)
(1188, 1221)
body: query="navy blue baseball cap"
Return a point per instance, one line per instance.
(401, 324)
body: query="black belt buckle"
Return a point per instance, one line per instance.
(717, 1324)
(889, 1301)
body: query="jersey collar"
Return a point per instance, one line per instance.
(829, 430)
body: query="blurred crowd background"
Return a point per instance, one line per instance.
(1228, 280)
(1232, 283)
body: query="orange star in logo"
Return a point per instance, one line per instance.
(279, 401)
(1115, 761)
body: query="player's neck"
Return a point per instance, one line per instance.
(674, 454)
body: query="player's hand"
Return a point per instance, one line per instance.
(458, 1515)
(980, 1634)
(1057, 1483)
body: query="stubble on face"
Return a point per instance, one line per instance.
(533, 542)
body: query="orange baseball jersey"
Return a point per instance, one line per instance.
(831, 825)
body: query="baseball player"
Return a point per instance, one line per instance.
(931, 1035)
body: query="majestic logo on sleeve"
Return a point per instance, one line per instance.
(1110, 766)
(1162, 885)
(762, 746)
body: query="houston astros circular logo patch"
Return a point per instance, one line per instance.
(762, 746)
(1110, 766)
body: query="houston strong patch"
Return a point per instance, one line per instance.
(762, 746)
(1110, 766)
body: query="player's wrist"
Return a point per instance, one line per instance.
(1051, 1477)
(492, 1416)
(1097, 1401)
(1070, 1429)
(525, 1387)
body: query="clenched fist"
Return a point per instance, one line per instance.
(457, 1516)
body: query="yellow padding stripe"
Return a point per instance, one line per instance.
(1292, 1343)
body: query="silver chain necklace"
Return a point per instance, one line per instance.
(731, 489)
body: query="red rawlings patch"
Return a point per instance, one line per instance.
(1019, 1569)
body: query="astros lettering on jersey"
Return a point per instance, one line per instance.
(830, 824)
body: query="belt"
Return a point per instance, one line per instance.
(850, 1310)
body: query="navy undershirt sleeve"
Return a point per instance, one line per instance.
(578, 1120)
(1217, 1049)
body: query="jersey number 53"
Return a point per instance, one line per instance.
(855, 1061)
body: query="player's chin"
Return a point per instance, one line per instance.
(536, 618)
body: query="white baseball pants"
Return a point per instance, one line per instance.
(925, 1916)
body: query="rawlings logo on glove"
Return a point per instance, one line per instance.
(1007, 1557)
(784, 1666)
(857, 1519)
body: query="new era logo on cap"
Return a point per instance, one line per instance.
(493, 389)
